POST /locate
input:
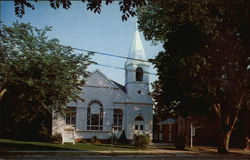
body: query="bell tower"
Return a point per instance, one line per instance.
(137, 77)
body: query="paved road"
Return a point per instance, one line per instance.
(127, 157)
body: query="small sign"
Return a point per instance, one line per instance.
(68, 135)
(193, 132)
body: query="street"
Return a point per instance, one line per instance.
(126, 157)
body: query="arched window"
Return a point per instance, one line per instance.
(95, 115)
(139, 118)
(139, 123)
(139, 74)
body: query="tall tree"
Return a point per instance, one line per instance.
(37, 75)
(206, 63)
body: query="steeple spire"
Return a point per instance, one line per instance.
(136, 24)
(136, 49)
(136, 72)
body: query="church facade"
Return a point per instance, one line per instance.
(107, 107)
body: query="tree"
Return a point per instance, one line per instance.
(206, 63)
(127, 7)
(37, 75)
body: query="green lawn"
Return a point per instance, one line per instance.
(8, 144)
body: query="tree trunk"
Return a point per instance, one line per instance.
(226, 123)
(224, 142)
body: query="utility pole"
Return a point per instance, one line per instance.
(112, 138)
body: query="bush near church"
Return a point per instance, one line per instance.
(141, 141)
(57, 138)
(123, 139)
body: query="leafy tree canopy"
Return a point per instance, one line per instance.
(127, 7)
(159, 18)
(37, 74)
(206, 63)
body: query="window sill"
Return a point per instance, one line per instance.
(94, 131)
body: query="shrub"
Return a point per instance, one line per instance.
(98, 141)
(180, 142)
(56, 138)
(113, 139)
(123, 138)
(106, 141)
(44, 133)
(141, 141)
(93, 139)
(81, 140)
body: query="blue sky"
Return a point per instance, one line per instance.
(79, 28)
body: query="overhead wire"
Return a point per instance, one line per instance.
(108, 54)
(105, 54)
(103, 65)
(111, 55)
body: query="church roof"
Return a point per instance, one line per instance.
(167, 121)
(123, 88)
(136, 49)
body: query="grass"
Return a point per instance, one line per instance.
(9, 144)
(17, 145)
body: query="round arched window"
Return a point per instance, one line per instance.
(139, 118)
(95, 115)
(139, 74)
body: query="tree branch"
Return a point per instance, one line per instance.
(2, 93)
(217, 109)
(237, 112)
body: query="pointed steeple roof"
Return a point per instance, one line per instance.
(136, 49)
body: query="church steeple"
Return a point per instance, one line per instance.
(136, 49)
(136, 75)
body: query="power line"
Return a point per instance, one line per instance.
(108, 54)
(105, 54)
(103, 65)
(111, 55)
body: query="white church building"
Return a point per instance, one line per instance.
(107, 107)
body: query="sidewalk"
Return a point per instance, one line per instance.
(154, 150)
(201, 149)
(152, 154)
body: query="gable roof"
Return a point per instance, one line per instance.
(119, 86)
(123, 88)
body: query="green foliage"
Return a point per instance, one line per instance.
(93, 139)
(57, 138)
(38, 74)
(160, 18)
(141, 141)
(205, 66)
(126, 7)
(206, 56)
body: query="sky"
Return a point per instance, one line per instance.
(79, 28)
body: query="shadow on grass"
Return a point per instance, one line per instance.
(34, 147)
(17, 145)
